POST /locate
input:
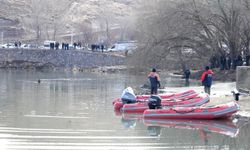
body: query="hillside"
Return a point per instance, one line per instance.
(50, 19)
(219, 75)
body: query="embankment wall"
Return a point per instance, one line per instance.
(243, 78)
(26, 58)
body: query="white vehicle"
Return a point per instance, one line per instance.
(123, 46)
(46, 44)
(8, 45)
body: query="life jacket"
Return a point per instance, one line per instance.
(154, 79)
(207, 78)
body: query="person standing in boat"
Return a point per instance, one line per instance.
(207, 79)
(154, 79)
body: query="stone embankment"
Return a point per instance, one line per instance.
(57, 59)
(243, 78)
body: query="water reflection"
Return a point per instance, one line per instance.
(154, 130)
(207, 134)
(221, 126)
(128, 123)
(225, 127)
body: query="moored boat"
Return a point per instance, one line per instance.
(182, 96)
(212, 112)
(190, 102)
(179, 95)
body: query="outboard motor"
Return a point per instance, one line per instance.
(154, 102)
(128, 96)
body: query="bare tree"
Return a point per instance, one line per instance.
(194, 28)
(109, 15)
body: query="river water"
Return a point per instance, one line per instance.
(73, 111)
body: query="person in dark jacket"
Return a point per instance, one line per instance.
(206, 79)
(187, 75)
(228, 61)
(248, 59)
(154, 79)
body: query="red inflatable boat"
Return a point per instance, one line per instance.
(180, 95)
(189, 102)
(168, 97)
(218, 111)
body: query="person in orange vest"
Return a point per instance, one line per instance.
(206, 79)
(154, 79)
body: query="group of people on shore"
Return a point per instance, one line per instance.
(226, 62)
(206, 80)
(17, 44)
(97, 47)
(64, 45)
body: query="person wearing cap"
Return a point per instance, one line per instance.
(154, 79)
(207, 79)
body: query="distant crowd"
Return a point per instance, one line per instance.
(54, 45)
(226, 62)
(76, 45)
(97, 47)
(17, 44)
(65, 46)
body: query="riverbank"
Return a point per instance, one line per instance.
(76, 60)
(243, 114)
(57, 59)
(219, 75)
(222, 93)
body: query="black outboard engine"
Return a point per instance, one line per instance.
(154, 102)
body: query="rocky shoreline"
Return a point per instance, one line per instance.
(57, 59)
(76, 60)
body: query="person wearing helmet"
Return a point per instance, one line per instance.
(154, 79)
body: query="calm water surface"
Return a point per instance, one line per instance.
(73, 111)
